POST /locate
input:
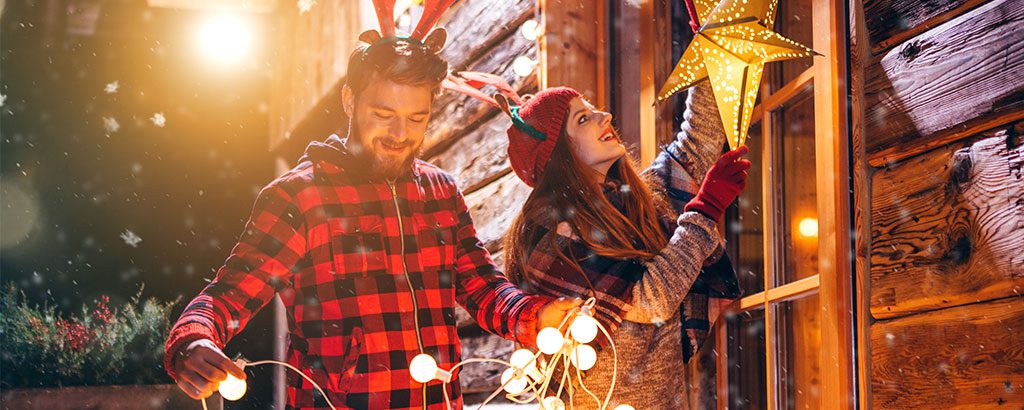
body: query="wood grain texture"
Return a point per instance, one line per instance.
(890, 22)
(967, 357)
(571, 47)
(948, 228)
(475, 26)
(455, 114)
(967, 71)
(494, 206)
(480, 157)
(482, 377)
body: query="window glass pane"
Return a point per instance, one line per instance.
(745, 222)
(796, 213)
(747, 361)
(793, 20)
(799, 344)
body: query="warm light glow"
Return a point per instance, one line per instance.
(232, 388)
(523, 66)
(553, 403)
(584, 357)
(523, 359)
(624, 407)
(583, 329)
(225, 39)
(550, 340)
(809, 227)
(530, 29)
(423, 368)
(513, 384)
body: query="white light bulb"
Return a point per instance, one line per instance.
(522, 359)
(550, 340)
(583, 329)
(423, 368)
(553, 403)
(523, 66)
(513, 385)
(624, 407)
(232, 388)
(809, 227)
(583, 357)
(530, 29)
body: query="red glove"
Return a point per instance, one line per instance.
(722, 185)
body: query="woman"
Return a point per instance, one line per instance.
(594, 226)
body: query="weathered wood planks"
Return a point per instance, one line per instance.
(456, 114)
(494, 206)
(964, 357)
(966, 75)
(480, 157)
(948, 228)
(474, 26)
(890, 22)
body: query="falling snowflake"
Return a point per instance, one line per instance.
(110, 124)
(3, 99)
(158, 119)
(131, 238)
(305, 5)
(111, 87)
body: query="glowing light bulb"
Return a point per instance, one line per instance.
(225, 39)
(624, 407)
(808, 227)
(513, 384)
(423, 368)
(583, 329)
(552, 403)
(522, 359)
(583, 357)
(523, 66)
(549, 340)
(232, 388)
(530, 29)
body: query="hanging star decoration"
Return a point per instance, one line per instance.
(731, 44)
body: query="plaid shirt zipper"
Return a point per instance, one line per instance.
(408, 280)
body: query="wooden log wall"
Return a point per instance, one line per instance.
(467, 138)
(938, 94)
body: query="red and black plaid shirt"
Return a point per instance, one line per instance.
(360, 265)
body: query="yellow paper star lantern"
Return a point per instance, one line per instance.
(731, 48)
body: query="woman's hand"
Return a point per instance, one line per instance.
(723, 183)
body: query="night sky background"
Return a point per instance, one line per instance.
(92, 208)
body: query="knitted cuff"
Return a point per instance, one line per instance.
(180, 337)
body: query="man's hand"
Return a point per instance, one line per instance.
(552, 314)
(202, 367)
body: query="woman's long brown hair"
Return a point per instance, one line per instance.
(568, 192)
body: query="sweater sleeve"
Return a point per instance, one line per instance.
(670, 275)
(261, 263)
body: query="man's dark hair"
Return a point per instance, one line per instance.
(404, 61)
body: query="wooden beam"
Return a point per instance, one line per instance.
(474, 27)
(494, 206)
(648, 55)
(480, 157)
(573, 47)
(966, 357)
(948, 228)
(965, 72)
(890, 22)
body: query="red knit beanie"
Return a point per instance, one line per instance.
(545, 113)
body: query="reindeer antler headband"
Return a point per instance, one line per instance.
(507, 99)
(432, 11)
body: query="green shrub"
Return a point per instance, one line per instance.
(98, 346)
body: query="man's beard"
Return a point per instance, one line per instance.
(379, 163)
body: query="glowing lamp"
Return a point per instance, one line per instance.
(584, 328)
(550, 340)
(232, 388)
(552, 403)
(530, 29)
(423, 368)
(583, 357)
(808, 227)
(522, 359)
(624, 407)
(523, 66)
(514, 384)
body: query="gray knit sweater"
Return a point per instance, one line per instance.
(648, 340)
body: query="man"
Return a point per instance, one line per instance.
(369, 248)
